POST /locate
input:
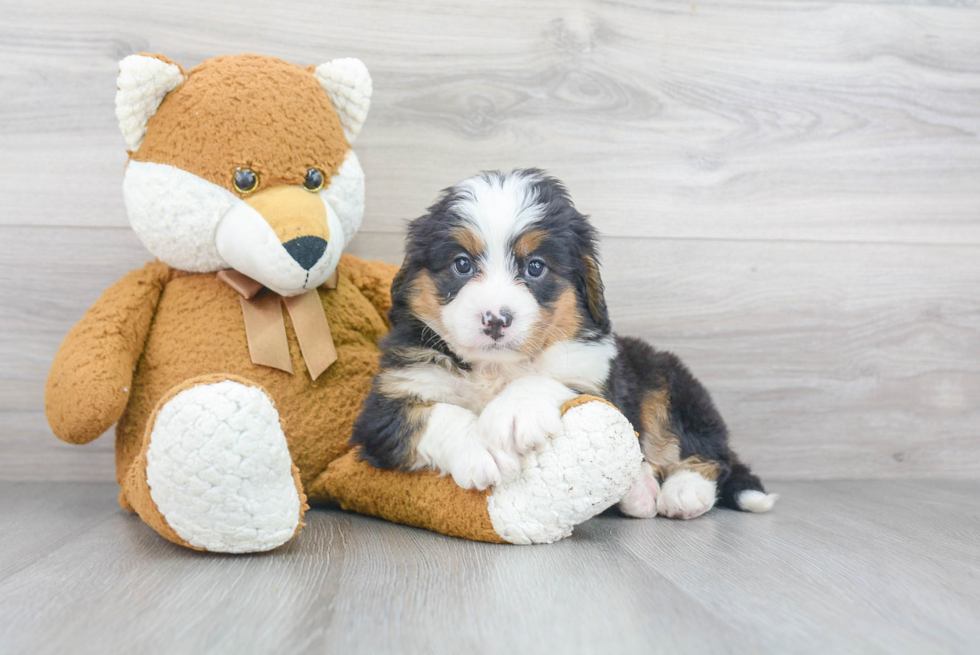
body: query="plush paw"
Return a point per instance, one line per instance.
(686, 495)
(582, 471)
(641, 500)
(524, 415)
(219, 470)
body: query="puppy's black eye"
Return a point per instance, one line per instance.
(463, 265)
(535, 268)
(245, 180)
(314, 180)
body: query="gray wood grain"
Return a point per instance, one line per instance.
(827, 360)
(789, 193)
(826, 121)
(842, 567)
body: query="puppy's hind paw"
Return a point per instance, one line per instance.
(641, 500)
(686, 495)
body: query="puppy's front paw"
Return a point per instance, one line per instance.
(516, 424)
(686, 495)
(474, 467)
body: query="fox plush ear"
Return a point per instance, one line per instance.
(142, 83)
(348, 84)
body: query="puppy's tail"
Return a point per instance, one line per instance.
(743, 490)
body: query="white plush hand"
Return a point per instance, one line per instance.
(523, 416)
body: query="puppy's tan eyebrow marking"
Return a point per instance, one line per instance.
(468, 240)
(528, 242)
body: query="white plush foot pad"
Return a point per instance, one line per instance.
(220, 472)
(686, 495)
(581, 472)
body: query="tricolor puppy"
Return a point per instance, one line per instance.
(498, 317)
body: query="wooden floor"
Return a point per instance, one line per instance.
(838, 567)
(789, 198)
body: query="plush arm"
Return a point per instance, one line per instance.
(88, 386)
(372, 278)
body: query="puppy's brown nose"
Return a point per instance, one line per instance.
(494, 323)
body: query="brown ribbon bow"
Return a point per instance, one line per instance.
(265, 327)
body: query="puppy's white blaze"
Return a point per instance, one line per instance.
(499, 209)
(751, 500)
(583, 365)
(450, 444)
(249, 245)
(175, 214)
(462, 316)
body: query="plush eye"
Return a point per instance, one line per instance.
(463, 265)
(314, 180)
(245, 180)
(535, 268)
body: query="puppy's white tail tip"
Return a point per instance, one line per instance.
(751, 500)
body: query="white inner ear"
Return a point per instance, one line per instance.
(349, 86)
(141, 86)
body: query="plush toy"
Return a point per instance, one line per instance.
(230, 412)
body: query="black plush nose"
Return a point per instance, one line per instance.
(307, 251)
(494, 324)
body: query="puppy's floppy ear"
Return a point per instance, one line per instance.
(399, 302)
(398, 283)
(595, 297)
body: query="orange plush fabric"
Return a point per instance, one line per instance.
(198, 331)
(92, 374)
(422, 499)
(178, 329)
(207, 125)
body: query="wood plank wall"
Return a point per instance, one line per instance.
(789, 193)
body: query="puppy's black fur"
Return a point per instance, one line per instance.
(673, 413)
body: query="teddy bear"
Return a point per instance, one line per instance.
(231, 414)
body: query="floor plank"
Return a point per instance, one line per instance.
(843, 567)
(36, 519)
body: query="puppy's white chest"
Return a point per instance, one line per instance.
(481, 385)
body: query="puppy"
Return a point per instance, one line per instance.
(498, 317)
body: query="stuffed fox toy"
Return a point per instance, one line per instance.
(231, 413)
